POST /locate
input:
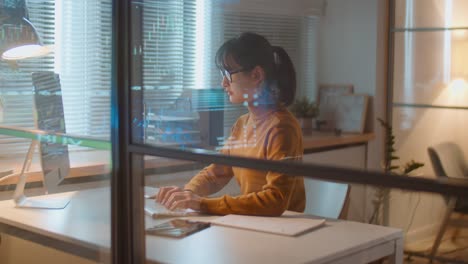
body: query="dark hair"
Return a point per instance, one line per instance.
(249, 50)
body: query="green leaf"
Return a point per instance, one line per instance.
(411, 166)
(303, 107)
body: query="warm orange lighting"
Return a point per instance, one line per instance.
(458, 86)
(460, 34)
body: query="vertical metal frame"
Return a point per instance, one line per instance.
(390, 59)
(389, 86)
(127, 218)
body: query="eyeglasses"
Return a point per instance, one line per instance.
(228, 74)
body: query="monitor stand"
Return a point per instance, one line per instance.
(37, 202)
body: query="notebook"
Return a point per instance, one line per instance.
(157, 210)
(284, 225)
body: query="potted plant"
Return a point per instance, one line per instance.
(305, 110)
(382, 194)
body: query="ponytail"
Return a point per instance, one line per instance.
(285, 76)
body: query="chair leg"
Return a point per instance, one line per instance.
(435, 246)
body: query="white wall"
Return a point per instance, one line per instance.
(352, 51)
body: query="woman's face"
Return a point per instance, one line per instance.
(244, 86)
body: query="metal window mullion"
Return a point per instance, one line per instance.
(127, 233)
(454, 187)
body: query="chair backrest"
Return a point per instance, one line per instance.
(325, 199)
(447, 160)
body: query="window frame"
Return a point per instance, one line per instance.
(127, 234)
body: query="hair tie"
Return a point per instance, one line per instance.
(276, 58)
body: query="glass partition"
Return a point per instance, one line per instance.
(228, 108)
(212, 80)
(55, 76)
(429, 104)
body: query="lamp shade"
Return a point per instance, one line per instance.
(18, 36)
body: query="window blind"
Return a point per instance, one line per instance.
(81, 34)
(173, 64)
(16, 87)
(179, 42)
(170, 71)
(84, 64)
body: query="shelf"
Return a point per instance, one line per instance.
(430, 106)
(173, 118)
(427, 29)
(173, 133)
(155, 142)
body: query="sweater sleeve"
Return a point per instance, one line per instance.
(214, 177)
(273, 199)
(210, 180)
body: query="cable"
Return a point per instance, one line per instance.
(414, 213)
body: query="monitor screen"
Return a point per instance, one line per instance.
(49, 116)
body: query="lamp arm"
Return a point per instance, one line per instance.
(34, 30)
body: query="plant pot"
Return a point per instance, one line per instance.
(306, 124)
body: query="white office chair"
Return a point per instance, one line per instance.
(326, 199)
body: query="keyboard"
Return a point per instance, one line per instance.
(157, 210)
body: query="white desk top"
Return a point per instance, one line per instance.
(86, 224)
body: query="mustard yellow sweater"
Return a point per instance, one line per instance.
(273, 135)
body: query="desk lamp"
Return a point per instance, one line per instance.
(18, 36)
(19, 40)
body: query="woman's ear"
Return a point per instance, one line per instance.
(258, 74)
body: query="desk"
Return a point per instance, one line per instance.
(83, 228)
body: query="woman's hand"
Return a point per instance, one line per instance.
(165, 192)
(173, 198)
(182, 200)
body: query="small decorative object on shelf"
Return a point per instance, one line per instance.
(305, 110)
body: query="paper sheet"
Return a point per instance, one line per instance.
(284, 225)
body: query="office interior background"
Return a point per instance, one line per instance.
(408, 57)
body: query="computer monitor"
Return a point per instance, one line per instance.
(50, 118)
(54, 159)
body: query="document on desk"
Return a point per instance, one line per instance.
(284, 225)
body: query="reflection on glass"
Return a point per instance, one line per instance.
(183, 102)
(430, 14)
(54, 133)
(430, 99)
(262, 78)
(430, 81)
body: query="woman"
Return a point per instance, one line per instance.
(262, 77)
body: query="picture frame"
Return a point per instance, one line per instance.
(327, 103)
(326, 90)
(350, 113)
